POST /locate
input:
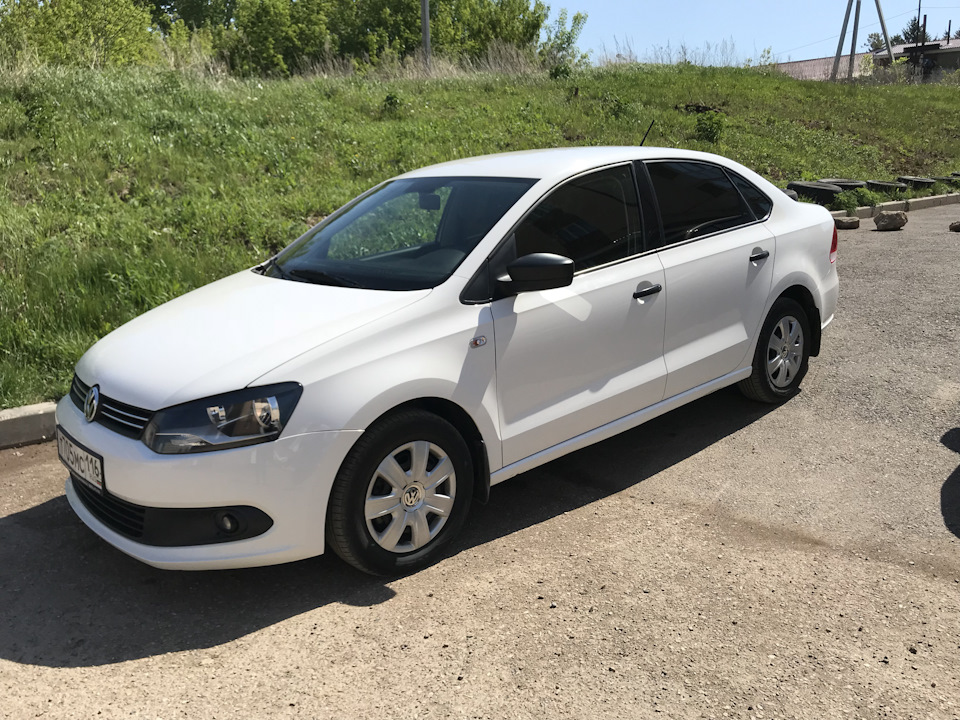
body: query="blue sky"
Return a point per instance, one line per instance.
(795, 30)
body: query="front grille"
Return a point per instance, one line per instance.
(119, 417)
(123, 517)
(78, 391)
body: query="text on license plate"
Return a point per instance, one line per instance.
(81, 462)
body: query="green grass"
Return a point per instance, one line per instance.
(122, 189)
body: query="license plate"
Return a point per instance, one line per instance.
(81, 462)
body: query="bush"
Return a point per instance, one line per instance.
(710, 127)
(87, 33)
(391, 105)
(558, 51)
(850, 200)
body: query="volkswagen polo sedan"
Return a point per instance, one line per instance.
(441, 333)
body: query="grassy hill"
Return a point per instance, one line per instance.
(122, 189)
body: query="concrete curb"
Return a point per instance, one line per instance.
(906, 205)
(27, 425)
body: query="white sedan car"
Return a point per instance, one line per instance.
(445, 331)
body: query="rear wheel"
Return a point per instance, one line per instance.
(783, 350)
(401, 495)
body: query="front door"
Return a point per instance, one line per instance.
(572, 359)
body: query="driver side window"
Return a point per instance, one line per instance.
(593, 220)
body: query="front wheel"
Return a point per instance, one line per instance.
(783, 350)
(401, 495)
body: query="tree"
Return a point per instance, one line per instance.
(559, 51)
(193, 13)
(93, 33)
(874, 42)
(914, 33)
(270, 36)
(278, 36)
(457, 27)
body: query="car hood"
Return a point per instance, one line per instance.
(223, 336)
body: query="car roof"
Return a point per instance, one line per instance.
(554, 163)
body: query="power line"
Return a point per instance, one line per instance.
(875, 24)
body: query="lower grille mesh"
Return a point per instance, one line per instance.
(118, 515)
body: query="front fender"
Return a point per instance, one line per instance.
(351, 382)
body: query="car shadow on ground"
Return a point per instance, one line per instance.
(69, 599)
(950, 492)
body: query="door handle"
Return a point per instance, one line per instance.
(652, 290)
(762, 255)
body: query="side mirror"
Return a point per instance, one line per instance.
(537, 271)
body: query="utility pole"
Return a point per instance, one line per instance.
(853, 44)
(843, 36)
(886, 37)
(425, 30)
(853, 40)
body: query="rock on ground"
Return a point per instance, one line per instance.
(847, 223)
(888, 220)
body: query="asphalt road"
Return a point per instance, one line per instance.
(726, 560)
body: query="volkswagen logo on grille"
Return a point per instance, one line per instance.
(92, 403)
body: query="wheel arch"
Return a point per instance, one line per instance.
(804, 297)
(464, 424)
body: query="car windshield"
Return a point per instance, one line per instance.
(407, 234)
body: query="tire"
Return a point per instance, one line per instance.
(886, 187)
(783, 351)
(389, 474)
(948, 179)
(818, 192)
(845, 183)
(921, 183)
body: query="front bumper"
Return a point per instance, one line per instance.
(289, 480)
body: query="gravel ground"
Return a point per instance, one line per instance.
(726, 560)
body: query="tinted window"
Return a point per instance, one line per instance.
(758, 202)
(593, 220)
(408, 234)
(695, 199)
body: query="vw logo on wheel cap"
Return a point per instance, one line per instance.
(92, 403)
(412, 496)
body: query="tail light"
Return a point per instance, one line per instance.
(833, 247)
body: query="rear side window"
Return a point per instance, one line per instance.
(759, 203)
(696, 199)
(592, 220)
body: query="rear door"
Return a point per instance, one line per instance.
(717, 258)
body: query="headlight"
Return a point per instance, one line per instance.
(245, 417)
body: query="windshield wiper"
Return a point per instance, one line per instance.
(320, 277)
(265, 267)
(272, 269)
